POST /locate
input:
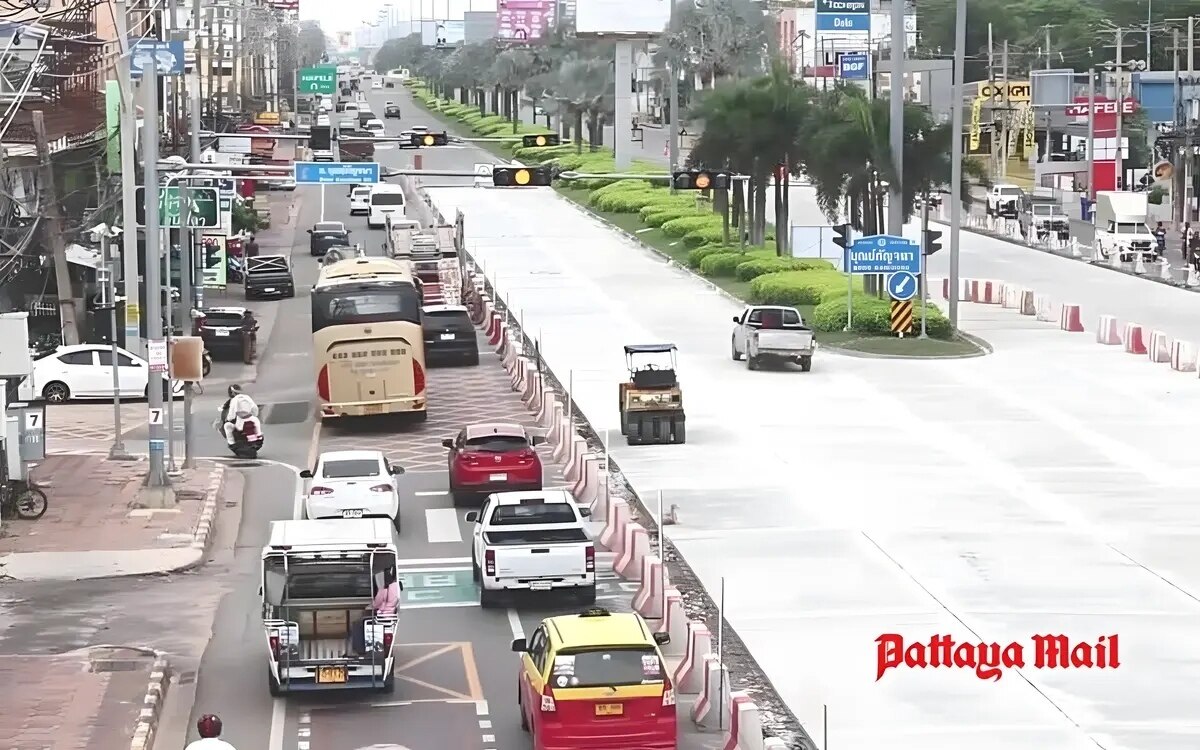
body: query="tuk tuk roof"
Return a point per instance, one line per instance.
(329, 534)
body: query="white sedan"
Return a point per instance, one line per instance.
(85, 371)
(353, 484)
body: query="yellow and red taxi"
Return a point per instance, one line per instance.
(596, 680)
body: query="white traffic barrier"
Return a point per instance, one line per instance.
(674, 624)
(1107, 331)
(648, 601)
(964, 289)
(745, 724)
(1046, 310)
(689, 674)
(712, 706)
(613, 535)
(574, 467)
(1160, 347)
(1183, 356)
(545, 415)
(531, 384)
(587, 487)
(512, 365)
(566, 439)
(634, 549)
(558, 427)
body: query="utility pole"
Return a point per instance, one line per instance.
(154, 323)
(190, 281)
(131, 284)
(896, 121)
(1049, 117)
(1179, 156)
(1119, 70)
(58, 243)
(1091, 137)
(1005, 116)
(993, 156)
(672, 106)
(956, 156)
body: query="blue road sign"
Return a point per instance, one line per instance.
(336, 173)
(167, 57)
(844, 22)
(902, 286)
(883, 253)
(843, 6)
(854, 66)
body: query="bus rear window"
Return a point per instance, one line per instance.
(606, 667)
(334, 307)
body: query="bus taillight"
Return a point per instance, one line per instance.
(418, 377)
(323, 383)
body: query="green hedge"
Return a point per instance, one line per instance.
(751, 270)
(625, 201)
(687, 224)
(663, 215)
(695, 257)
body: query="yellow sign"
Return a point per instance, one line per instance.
(976, 106)
(266, 118)
(133, 314)
(1018, 91)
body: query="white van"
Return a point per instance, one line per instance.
(385, 199)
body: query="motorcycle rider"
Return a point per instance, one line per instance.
(234, 412)
(209, 727)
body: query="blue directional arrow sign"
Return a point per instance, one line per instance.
(336, 173)
(902, 286)
(883, 253)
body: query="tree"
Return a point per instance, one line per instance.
(312, 43)
(404, 52)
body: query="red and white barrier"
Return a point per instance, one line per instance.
(674, 624)
(546, 415)
(1045, 309)
(635, 548)
(712, 705)
(511, 363)
(689, 675)
(1107, 331)
(613, 535)
(1028, 304)
(1160, 347)
(479, 310)
(495, 329)
(1135, 339)
(1183, 356)
(505, 347)
(986, 292)
(964, 290)
(745, 724)
(531, 393)
(588, 489)
(574, 463)
(558, 428)
(566, 442)
(1011, 297)
(648, 601)
(1069, 319)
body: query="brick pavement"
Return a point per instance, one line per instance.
(88, 427)
(71, 701)
(285, 208)
(93, 506)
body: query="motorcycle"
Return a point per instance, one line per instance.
(248, 441)
(207, 363)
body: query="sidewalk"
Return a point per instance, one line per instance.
(96, 525)
(279, 239)
(88, 427)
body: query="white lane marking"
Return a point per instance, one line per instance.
(441, 526)
(481, 708)
(305, 732)
(305, 718)
(485, 724)
(514, 624)
(436, 606)
(278, 714)
(489, 738)
(413, 561)
(432, 493)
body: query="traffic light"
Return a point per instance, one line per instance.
(523, 177)
(841, 236)
(697, 179)
(429, 139)
(931, 241)
(541, 141)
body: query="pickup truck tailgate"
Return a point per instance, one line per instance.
(547, 554)
(784, 341)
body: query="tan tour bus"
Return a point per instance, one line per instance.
(367, 342)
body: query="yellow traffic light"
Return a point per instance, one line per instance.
(521, 177)
(429, 140)
(702, 182)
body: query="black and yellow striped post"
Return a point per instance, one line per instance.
(902, 317)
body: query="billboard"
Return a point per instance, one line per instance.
(639, 18)
(519, 20)
(445, 33)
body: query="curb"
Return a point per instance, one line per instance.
(204, 532)
(152, 703)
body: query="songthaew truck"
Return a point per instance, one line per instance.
(1121, 226)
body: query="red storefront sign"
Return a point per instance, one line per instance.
(1105, 111)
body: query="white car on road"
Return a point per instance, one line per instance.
(85, 371)
(375, 127)
(360, 200)
(353, 484)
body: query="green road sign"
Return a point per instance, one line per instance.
(437, 587)
(205, 214)
(321, 79)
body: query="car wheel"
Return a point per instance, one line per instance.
(56, 393)
(733, 352)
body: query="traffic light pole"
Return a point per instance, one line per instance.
(924, 263)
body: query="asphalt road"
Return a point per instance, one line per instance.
(456, 674)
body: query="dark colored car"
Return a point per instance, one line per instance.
(269, 276)
(229, 332)
(492, 457)
(391, 111)
(327, 234)
(449, 336)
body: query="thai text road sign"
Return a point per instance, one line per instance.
(336, 173)
(167, 57)
(205, 213)
(321, 79)
(883, 253)
(902, 316)
(902, 286)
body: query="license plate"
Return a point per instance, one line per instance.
(337, 675)
(221, 332)
(539, 586)
(447, 337)
(373, 409)
(610, 709)
(269, 289)
(497, 477)
(357, 513)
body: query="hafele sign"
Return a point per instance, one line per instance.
(1080, 109)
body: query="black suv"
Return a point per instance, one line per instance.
(391, 111)
(449, 336)
(229, 332)
(327, 234)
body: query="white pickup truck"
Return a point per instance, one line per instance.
(768, 332)
(531, 541)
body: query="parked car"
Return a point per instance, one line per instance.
(449, 336)
(531, 541)
(85, 371)
(353, 484)
(492, 457)
(391, 110)
(230, 332)
(327, 234)
(269, 276)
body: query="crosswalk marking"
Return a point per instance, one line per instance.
(441, 525)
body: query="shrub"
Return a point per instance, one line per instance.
(666, 202)
(871, 315)
(752, 269)
(810, 287)
(683, 225)
(695, 257)
(625, 202)
(721, 264)
(624, 186)
(668, 214)
(707, 235)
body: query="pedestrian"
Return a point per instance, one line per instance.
(1193, 250)
(252, 248)
(386, 602)
(1160, 240)
(1185, 236)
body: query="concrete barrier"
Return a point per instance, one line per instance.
(635, 547)
(674, 624)
(511, 363)
(1011, 297)
(963, 290)
(587, 486)
(648, 601)
(1135, 339)
(566, 439)
(613, 535)
(574, 465)
(745, 724)
(1069, 319)
(479, 309)
(545, 416)
(1028, 304)
(558, 428)
(531, 394)
(986, 292)
(504, 348)
(1159, 349)
(1045, 309)
(1107, 331)
(1183, 356)
(495, 329)
(712, 705)
(689, 674)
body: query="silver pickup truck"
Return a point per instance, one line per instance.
(771, 333)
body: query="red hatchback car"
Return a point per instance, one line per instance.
(493, 457)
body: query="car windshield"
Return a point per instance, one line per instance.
(498, 443)
(1133, 229)
(222, 319)
(532, 513)
(606, 667)
(329, 226)
(387, 199)
(349, 468)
